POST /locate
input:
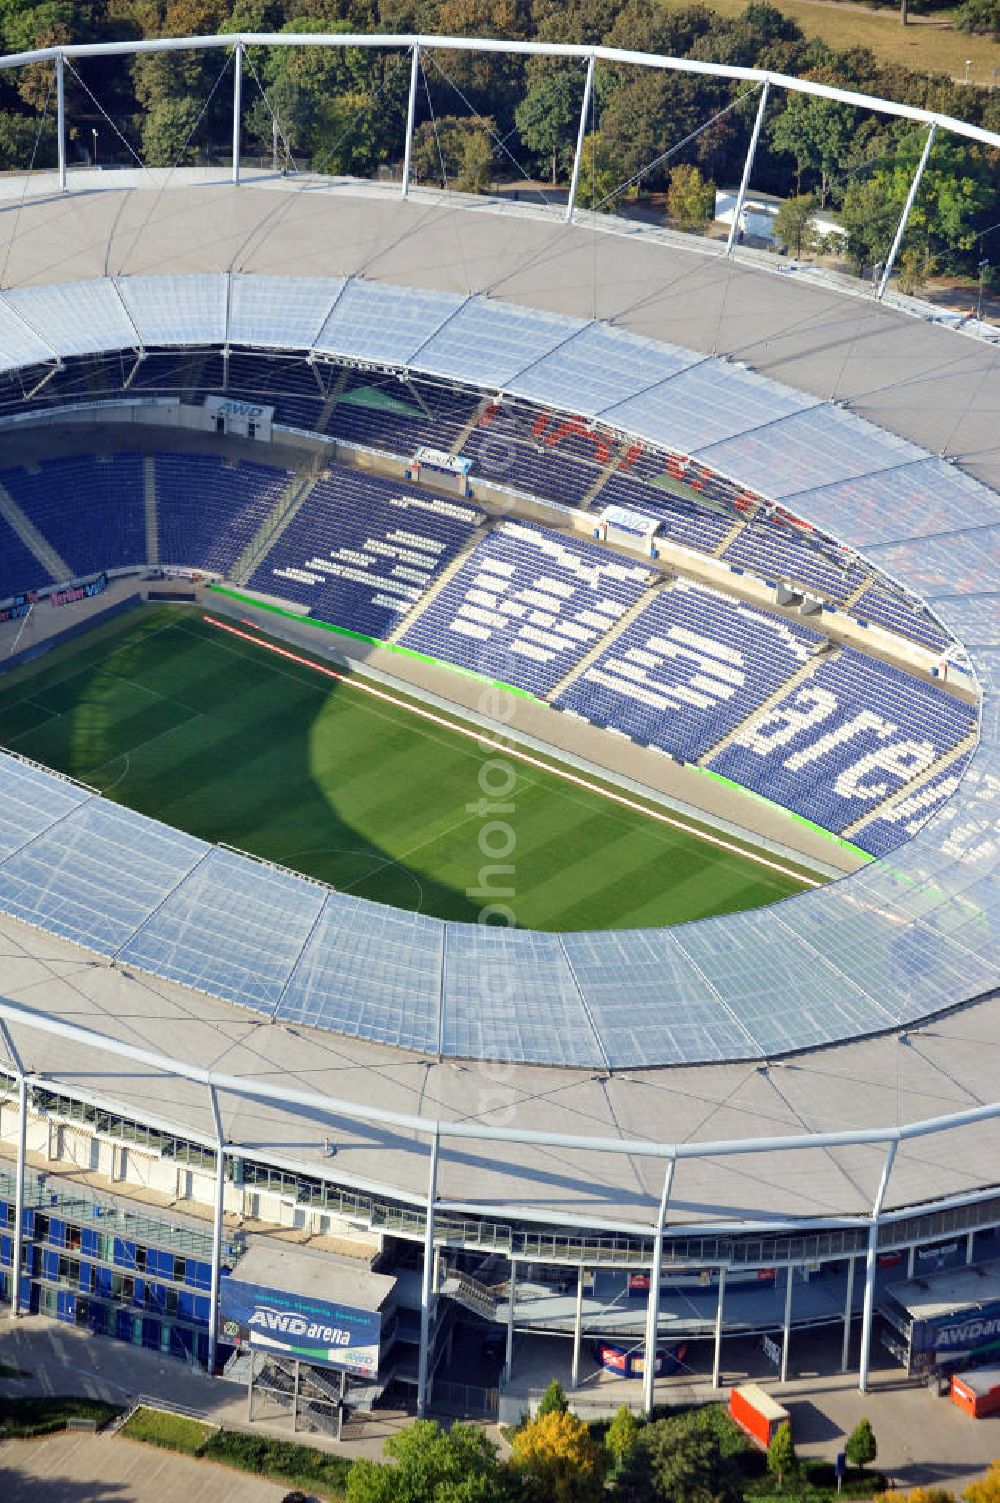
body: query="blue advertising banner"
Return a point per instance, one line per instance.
(296, 1325)
(966, 1333)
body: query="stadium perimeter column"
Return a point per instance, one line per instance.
(870, 1265)
(717, 1355)
(653, 1301)
(22, 1148)
(426, 1293)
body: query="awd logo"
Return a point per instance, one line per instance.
(266, 1319)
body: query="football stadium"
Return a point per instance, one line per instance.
(500, 775)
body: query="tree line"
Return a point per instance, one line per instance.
(487, 118)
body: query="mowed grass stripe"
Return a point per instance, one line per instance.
(232, 743)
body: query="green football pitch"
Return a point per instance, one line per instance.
(233, 742)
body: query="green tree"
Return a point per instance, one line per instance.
(781, 1457)
(553, 1400)
(915, 268)
(170, 134)
(861, 1448)
(600, 176)
(869, 215)
(979, 16)
(476, 171)
(548, 116)
(795, 224)
(622, 1435)
(679, 1460)
(818, 134)
(431, 1467)
(690, 199)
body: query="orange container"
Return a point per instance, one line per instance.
(756, 1412)
(977, 1391)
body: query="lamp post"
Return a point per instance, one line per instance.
(984, 267)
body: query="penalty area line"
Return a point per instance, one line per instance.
(490, 744)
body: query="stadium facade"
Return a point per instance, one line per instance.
(775, 1089)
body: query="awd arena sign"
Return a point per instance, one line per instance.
(969, 1333)
(297, 1326)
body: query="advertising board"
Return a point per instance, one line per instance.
(296, 1325)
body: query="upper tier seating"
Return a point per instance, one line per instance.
(889, 830)
(90, 509)
(681, 520)
(209, 508)
(288, 386)
(524, 452)
(362, 550)
(526, 605)
(887, 610)
(382, 412)
(688, 669)
(856, 732)
(777, 551)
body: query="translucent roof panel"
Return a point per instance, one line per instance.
(177, 310)
(755, 964)
(910, 501)
(19, 344)
(511, 995)
(31, 800)
(234, 927)
(975, 619)
(370, 972)
(77, 319)
(705, 404)
(648, 1001)
(280, 312)
(97, 874)
(488, 342)
(957, 564)
(380, 322)
(815, 447)
(601, 366)
(909, 970)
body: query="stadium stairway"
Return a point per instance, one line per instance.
(730, 536)
(50, 560)
(602, 479)
(824, 655)
(288, 505)
(466, 433)
(149, 500)
(331, 399)
(609, 636)
(851, 600)
(448, 572)
(956, 754)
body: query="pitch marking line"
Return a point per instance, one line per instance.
(509, 751)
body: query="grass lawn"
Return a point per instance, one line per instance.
(314, 1472)
(224, 739)
(925, 45)
(28, 1417)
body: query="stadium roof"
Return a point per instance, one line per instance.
(617, 324)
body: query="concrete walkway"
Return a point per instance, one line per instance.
(94, 1469)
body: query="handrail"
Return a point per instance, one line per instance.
(409, 41)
